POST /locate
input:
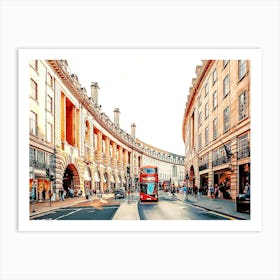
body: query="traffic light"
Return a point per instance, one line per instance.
(47, 173)
(128, 170)
(52, 178)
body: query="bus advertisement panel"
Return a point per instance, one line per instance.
(148, 183)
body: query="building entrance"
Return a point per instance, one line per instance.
(71, 181)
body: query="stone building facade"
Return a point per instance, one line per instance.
(216, 126)
(77, 144)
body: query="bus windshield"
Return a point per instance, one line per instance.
(149, 170)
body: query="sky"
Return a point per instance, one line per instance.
(149, 86)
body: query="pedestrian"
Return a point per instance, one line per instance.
(50, 194)
(195, 189)
(60, 194)
(200, 192)
(44, 194)
(246, 188)
(211, 190)
(216, 191)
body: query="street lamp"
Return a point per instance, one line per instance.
(187, 179)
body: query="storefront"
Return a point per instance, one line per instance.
(244, 176)
(222, 178)
(39, 185)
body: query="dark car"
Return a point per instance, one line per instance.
(243, 202)
(119, 194)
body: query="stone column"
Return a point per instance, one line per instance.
(114, 154)
(99, 146)
(107, 151)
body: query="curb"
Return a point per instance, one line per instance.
(210, 209)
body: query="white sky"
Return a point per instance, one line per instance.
(149, 86)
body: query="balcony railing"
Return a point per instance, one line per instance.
(203, 166)
(245, 152)
(220, 161)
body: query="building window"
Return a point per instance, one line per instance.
(40, 156)
(215, 100)
(243, 146)
(33, 89)
(226, 85)
(206, 111)
(241, 69)
(49, 104)
(225, 63)
(49, 132)
(206, 136)
(214, 76)
(215, 129)
(199, 142)
(50, 80)
(242, 106)
(34, 64)
(206, 89)
(32, 155)
(226, 119)
(33, 123)
(199, 116)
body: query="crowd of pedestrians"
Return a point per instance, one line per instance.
(221, 190)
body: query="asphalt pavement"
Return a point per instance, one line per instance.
(128, 210)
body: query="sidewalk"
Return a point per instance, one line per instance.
(220, 205)
(45, 206)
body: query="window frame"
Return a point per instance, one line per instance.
(49, 104)
(226, 121)
(33, 88)
(33, 123)
(243, 116)
(226, 86)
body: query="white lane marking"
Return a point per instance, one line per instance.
(68, 214)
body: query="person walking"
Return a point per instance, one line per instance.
(211, 191)
(216, 192)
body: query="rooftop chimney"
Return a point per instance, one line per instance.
(117, 117)
(133, 129)
(94, 92)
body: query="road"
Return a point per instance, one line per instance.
(89, 210)
(169, 208)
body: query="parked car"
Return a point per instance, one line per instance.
(243, 202)
(119, 194)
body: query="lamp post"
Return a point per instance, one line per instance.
(187, 188)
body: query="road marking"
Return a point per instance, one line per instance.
(68, 214)
(219, 214)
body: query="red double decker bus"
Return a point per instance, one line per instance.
(148, 183)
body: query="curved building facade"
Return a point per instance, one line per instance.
(74, 145)
(216, 126)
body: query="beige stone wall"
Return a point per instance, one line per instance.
(236, 127)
